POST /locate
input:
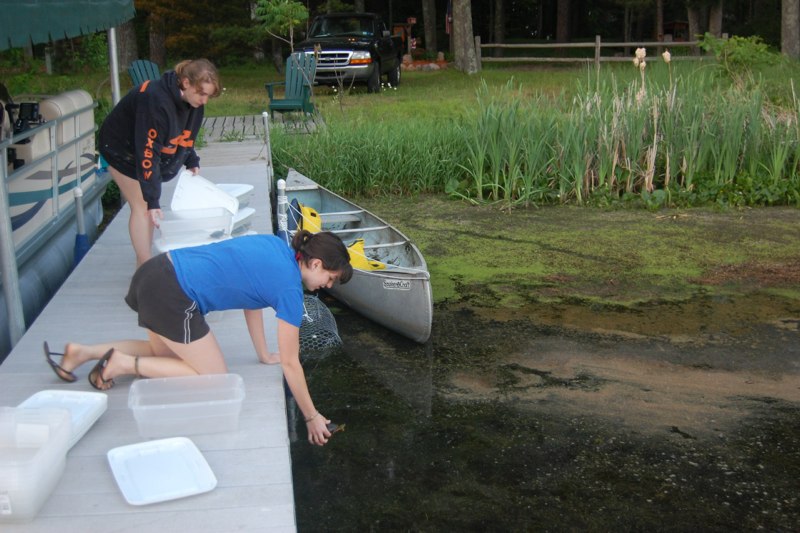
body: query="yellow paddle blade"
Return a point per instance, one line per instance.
(359, 259)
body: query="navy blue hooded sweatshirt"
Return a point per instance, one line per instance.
(150, 135)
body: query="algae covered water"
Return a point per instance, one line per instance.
(589, 370)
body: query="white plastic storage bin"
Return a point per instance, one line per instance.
(33, 449)
(196, 192)
(171, 407)
(241, 191)
(84, 408)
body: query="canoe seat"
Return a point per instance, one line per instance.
(385, 245)
(307, 218)
(358, 230)
(341, 216)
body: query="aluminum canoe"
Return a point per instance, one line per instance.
(391, 284)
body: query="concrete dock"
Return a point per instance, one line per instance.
(252, 465)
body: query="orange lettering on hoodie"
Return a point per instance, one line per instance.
(147, 154)
(181, 140)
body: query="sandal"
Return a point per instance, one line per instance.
(97, 372)
(62, 373)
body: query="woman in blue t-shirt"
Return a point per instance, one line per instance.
(172, 291)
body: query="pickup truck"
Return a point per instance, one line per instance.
(353, 48)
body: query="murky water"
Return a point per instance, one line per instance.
(524, 421)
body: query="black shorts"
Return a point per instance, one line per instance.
(163, 307)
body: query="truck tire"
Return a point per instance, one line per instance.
(374, 81)
(394, 76)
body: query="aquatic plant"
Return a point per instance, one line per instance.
(657, 136)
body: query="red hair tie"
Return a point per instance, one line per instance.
(298, 256)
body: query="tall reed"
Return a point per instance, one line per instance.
(659, 135)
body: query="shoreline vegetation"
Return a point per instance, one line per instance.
(723, 133)
(646, 144)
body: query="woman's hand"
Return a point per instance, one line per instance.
(194, 170)
(317, 427)
(155, 216)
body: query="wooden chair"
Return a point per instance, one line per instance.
(142, 70)
(300, 71)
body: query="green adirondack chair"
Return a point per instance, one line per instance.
(142, 70)
(300, 70)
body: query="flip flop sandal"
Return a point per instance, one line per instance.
(97, 372)
(62, 373)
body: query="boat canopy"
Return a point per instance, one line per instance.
(24, 22)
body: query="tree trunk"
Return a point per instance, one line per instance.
(659, 29)
(127, 51)
(499, 26)
(429, 19)
(790, 28)
(715, 19)
(694, 26)
(463, 38)
(158, 53)
(277, 54)
(358, 5)
(563, 21)
(626, 32)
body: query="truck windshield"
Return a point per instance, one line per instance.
(326, 27)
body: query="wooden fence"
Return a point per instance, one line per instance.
(597, 45)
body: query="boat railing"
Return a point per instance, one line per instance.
(57, 150)
(13, 255)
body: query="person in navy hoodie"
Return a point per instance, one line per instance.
(149, 137)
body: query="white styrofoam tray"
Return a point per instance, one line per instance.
(160, 470)
(84, 408)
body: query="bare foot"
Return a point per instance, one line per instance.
(77, 354)
(96, 377)
(270, 359)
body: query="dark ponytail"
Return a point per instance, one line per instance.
(328, 248)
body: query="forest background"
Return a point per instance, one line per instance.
(229, 33)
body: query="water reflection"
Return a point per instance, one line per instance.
(512, 426)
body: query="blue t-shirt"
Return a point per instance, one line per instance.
(250, 272)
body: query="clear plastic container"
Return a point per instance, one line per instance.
(171, 407)
(33, 449)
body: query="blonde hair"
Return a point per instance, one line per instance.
(199, 71)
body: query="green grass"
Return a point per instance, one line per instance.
(532, 134)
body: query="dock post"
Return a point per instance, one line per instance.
(283, 203)
(81, 239)
(268, 153)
